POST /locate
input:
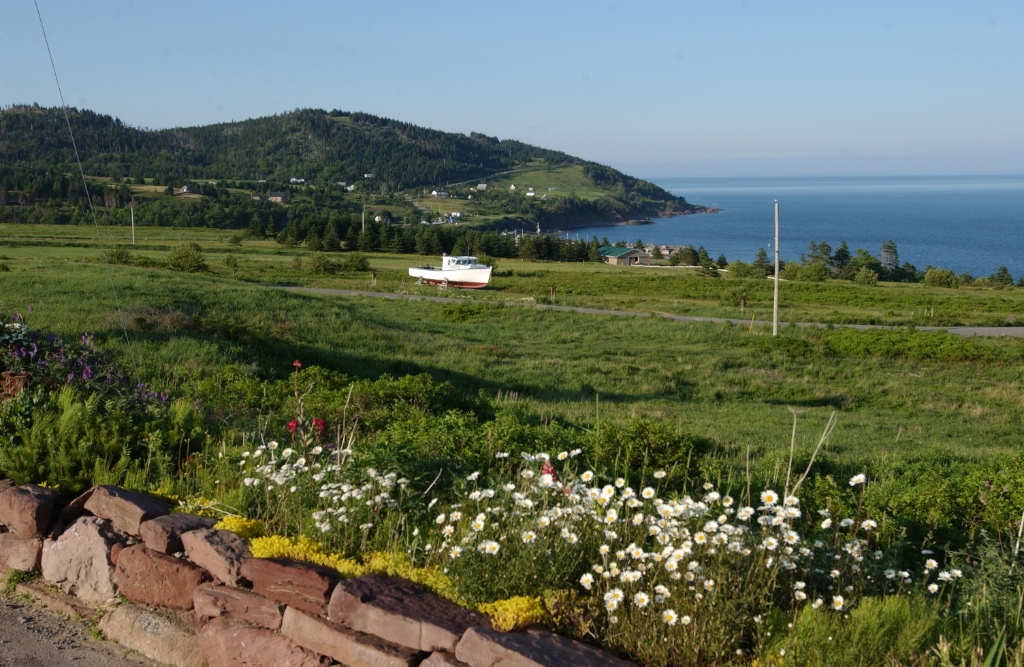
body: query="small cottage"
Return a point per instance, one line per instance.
(619, 256)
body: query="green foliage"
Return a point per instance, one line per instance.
(814, 272)
(15, 577)
(119, 254)
(866, 276)
(355, 262)
(73, 441)
(992, 590)
(890, 630)
(790, 271)
(935, 277)
(321, 264)
(187, 257)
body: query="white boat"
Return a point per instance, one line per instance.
(460, 271)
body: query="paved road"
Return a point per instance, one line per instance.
(966, 332)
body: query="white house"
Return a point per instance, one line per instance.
(531, 193)
(481, 186)
(440, 194)
(296, 181)
(367, 175)
(512, 187)
(350, 188)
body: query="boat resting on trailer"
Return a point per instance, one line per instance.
(461, 271)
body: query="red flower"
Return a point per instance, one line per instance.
(297, 364)
(292, 425)
(318, 424)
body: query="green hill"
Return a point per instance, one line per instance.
(323, 148)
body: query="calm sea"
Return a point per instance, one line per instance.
(963, 223)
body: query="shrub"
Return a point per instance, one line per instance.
(814, 272)
(941, 278)
(790, 271)
(119, 254)
(355, 262)
(187, 257)
(319, 263)
(866, 276)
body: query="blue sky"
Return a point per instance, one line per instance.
(719, 87)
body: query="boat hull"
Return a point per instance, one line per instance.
(460, 279)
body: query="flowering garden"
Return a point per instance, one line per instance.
(632, 536)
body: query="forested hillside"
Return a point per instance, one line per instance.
(318, 146)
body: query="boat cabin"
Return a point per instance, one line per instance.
(456, 262)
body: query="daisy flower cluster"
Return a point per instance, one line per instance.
(654, 563)
(324, 488)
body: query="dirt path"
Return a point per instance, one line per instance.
(31, 636)
(966, 332)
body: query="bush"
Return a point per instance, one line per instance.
(866, 276)
(941, 278)
(187, 257)
(355, 262)
(119, 254)
(790, 271)
(319, 263)
(814, 272)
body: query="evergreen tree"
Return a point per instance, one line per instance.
(842, 256)
(331, 243)
(1002, 277)
(352, 238)
(761, 264)
(594, 252)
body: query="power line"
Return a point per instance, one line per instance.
(88, 197)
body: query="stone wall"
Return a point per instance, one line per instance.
(196, 597)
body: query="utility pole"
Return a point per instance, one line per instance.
(132, 207)
(775, 308)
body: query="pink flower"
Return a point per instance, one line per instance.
(297, 364)
(318, 424)
(292, 425)
(548, 469)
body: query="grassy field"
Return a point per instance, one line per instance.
(934, 421)
(650, 289)
(916, 394)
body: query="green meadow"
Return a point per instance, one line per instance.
(902, 393)
(433, 390)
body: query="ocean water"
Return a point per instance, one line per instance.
(963, 223)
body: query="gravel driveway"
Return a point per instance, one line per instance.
(31, 636)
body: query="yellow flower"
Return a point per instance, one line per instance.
(515, 613)
(244, 528)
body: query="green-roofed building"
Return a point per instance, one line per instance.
(619, 256)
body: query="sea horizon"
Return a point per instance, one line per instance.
(966, 223)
